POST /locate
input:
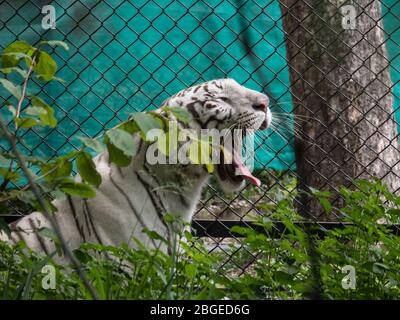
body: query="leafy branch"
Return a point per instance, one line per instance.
(14, 53)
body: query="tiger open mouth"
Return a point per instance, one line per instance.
(264, 125)
(236, 171)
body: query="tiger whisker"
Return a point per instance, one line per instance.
(291, 115)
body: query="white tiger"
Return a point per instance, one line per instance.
(132, 198)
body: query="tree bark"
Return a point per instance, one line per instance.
(340, 79)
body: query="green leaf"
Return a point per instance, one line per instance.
(48, 233)
(326, 204)
(18, 46)
(27, 196)
(82, 256)
(169, 218)
(210, 167)
(181, 114)
(35, 111)
(379, 268)
(190, 271)
(129, 126)
(117, 156)
(123, 141)
(41, 110)
(320, 194)
(45, 67)
(19, 55)
(94, 144)
(47, 117)
(55, 79)
(12, 109)
(56, 43)
(57, 169)
(5, 227)
(283, 277)
(27, 123)
(82, 190)
(58, 194)
(153, 235)
(10, 87)
(240, 230)
(146, 122)
(9, 175)
(12, 55)
(20, 71)
(87, 169)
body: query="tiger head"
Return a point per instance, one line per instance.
(225, 104)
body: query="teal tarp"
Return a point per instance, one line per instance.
(127, 56)
(391, 22)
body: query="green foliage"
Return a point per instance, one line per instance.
(15, 52)
(87, 169)
(25, 60)
(146, 122)
(74, 188)
(180, 114)
(115, 272)
(371, 247)
(122, 140)
(45, 66)
(43, 111)
(280, 271)
(11, 88)
(93, 144)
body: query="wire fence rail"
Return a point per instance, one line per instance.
(330, 68)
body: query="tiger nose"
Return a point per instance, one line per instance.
(260, 107)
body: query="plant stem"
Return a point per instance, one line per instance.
(25, 84)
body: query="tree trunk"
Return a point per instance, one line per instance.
(340, 78)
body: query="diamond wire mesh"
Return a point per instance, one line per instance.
(172, 45)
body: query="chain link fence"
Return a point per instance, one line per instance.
(330, 68)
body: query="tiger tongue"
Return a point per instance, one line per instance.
(242, 170)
